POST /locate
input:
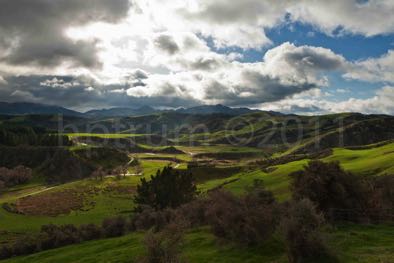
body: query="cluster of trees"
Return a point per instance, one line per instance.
(340, 195)
(15, 176)
(99, 173)
(53, 236)
(21, 135)
(249, 220)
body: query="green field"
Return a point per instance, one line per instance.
(351, 244)
(103, 135)
(374, 161)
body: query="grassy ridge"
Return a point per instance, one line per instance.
(374, 161)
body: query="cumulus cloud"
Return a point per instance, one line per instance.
(34, 31)
(355, 17)
(374, 69)
(293, 62)
(167, 44)
(199, 77)
(212, 78)
(381, 103)
(2, 80)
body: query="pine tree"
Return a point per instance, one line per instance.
(168, 188)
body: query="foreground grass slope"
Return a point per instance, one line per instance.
(352, 244)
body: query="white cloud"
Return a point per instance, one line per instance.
(374, 69)
(349, 16)
(213, 78)
(382, 102)
(59, 83)
(2, 80)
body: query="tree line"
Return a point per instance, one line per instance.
(33, 136)
(15, 176)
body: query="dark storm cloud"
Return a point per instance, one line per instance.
(137, 78)
(47, 89)
(223, 12)
(256, 88)
(35, 29)
(167, 44)
(139, 74)
(79, 93)
(308, 58)
(204, 64)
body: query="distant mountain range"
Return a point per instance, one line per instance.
(26, 108)
(218, 109)
(120, 112)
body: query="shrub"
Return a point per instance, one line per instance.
(150, 218)
(90, 232)
(194, 212)
(381, 198)
(164, 246)
(24, 246)
(300, 228)
(53, 236)
(114, 227)
(168, 188)
(329, 187)
(248, 220)
(15, 176)
(5, 252)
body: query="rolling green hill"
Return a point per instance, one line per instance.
(352, 244)
(214, 161)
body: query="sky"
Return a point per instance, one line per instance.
(293, 56)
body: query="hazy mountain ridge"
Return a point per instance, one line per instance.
(27, 108)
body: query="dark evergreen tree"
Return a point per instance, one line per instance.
(168, 188)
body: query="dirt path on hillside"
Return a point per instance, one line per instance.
(37, 192)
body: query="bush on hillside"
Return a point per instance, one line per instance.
(114, 227)
(248, 220)
(329, 187)
(15, 176)
(164, 246)
(381, 198)
(300, 229)
(90, 232)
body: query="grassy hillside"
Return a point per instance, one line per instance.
(371, 161)
(352, 244)
(374, 161)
